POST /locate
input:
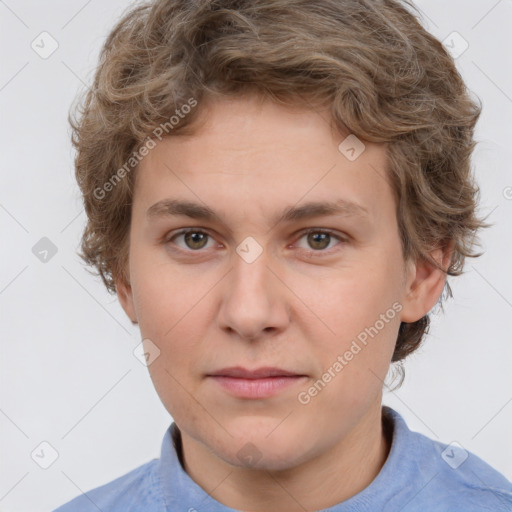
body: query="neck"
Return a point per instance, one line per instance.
(324, 481)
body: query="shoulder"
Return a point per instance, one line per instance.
(124, 494)
(451, 478)
(466, 481)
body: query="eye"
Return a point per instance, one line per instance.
(319, 240)
(194, 239)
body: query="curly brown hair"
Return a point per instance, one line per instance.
(383, 76)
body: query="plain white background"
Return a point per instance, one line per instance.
(68, 373)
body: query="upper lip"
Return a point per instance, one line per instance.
(258, 373)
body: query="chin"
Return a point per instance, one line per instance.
(262, 458)
(257, 449)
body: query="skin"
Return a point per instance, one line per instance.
(298, 306)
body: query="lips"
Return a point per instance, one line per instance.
(238, 372)
(255, 384)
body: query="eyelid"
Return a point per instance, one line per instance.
(328, 231)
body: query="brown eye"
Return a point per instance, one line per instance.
(193, 240)
(318, 240)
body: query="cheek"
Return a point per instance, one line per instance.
(176, 329)
(172, 315)
(343, 305)
(362, 314)
(163, 294)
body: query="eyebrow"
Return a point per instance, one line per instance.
(341, 207)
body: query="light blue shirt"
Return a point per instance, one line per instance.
(419, 475)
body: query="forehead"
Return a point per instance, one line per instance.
(255, 155)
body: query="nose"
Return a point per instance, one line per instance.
(254, 303)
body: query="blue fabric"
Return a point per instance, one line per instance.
(420, 475)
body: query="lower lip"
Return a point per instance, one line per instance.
(256, 388)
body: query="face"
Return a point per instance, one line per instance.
(266, 268)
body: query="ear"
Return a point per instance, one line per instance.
(424, 284)
(125, 295)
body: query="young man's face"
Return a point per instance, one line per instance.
(252, 291)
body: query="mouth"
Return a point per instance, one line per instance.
(255, 384)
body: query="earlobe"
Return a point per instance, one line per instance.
(125, 295)
(425, 283)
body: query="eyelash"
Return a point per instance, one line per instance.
(309, 252)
